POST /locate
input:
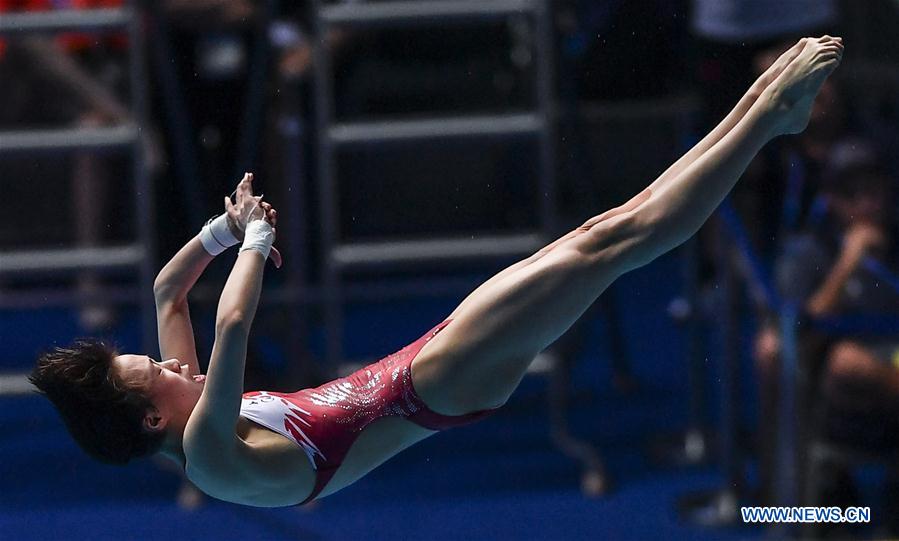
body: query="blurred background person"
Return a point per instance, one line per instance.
(826, 268)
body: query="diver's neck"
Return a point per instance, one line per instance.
(173, 450)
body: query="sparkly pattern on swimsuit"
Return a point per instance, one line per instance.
(325, 420)
(277, 413)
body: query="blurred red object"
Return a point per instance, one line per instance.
(70, 41)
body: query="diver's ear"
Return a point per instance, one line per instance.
(154, 422)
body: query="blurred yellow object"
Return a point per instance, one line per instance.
(895, 357)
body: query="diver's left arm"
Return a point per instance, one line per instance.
(236, 310)
(209, 437)
(217, 458)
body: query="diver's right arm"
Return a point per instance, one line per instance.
(175, 280)
(176, 335)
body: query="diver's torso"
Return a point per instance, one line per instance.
(289, 477)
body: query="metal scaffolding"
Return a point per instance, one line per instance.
(338, 257)
(137, 255)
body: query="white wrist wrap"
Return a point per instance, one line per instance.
(258, 236)
(215, 235)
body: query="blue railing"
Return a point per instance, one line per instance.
(791, 319)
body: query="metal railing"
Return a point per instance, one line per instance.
(339, 257)
(72, 260)
(792, 322)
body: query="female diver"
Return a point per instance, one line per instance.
(275, 449)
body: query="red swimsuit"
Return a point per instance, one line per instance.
(325, 421)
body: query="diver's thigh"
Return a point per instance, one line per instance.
(483, 353)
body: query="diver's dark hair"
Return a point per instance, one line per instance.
(103, 415)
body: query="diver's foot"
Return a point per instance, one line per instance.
(793, 92)
(777, 67)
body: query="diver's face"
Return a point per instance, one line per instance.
(169, 385)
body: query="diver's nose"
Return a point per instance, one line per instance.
(173, 365)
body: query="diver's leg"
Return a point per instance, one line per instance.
(478, 360)
(727, 124)
(735, 115)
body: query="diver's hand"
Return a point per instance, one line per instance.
(247, 208)
(238, 212)
(271, 216)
